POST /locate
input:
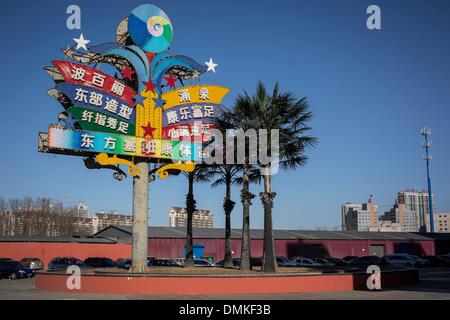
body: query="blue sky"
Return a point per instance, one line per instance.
(370, 91)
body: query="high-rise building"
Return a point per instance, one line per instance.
(411, 210)
(405, 218)
(386, 226)
(81, 209)
(416, 202)
(346, 208)
(201, 218)
(441, 222)
(103, 220)
(359, 217)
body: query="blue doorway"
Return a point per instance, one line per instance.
(199, 250)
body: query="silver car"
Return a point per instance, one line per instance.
(32, 263)
(400, 260)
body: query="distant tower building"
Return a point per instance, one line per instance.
(201, 218)
(418, 203)
(410, 211)
(441, 222)
(82, 210)
(346, 215)
(359, 217)
(102, 220)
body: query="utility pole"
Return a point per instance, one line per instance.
(427, 157)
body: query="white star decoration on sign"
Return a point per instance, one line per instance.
(211, 65)
(81, 42)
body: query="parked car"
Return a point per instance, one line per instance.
(437, 261)
(123, 263)
(445, 257)
(10, 269)
(150, 261)
(400, 260)
(203, 263)
(64, 262)
(305, 262)
(365, 261)
(180, 261)
(99, 262)
(32, 263)
(197, 262)
(236, 262)
(350, 259)
(323, 261)
(285, 262)
(256, 261)
(338, 262)
(422, 262)
(165, 263)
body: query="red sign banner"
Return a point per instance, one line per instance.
(82, 75)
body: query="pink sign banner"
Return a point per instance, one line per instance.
(82, 75)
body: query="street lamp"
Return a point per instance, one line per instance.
(427, 157)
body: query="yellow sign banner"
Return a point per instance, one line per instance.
(194, 94)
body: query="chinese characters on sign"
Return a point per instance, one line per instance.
(98, 121)
(190, 112)
(186, 113)
(87, 141)
(108, 104)
(83, 75)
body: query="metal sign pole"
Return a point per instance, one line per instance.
(140, 217)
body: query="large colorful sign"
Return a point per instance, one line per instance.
(141, 110)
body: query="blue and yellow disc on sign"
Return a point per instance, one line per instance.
(150, 28)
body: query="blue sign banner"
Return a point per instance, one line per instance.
(191, 113)
(98, 100)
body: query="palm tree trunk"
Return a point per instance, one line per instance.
(269, 263)
(190, 208)
(246, 198)
(228, 207)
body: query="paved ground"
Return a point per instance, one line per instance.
(434, 284)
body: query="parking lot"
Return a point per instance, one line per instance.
(434, 284)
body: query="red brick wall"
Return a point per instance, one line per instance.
(174, 248)
(45, 251)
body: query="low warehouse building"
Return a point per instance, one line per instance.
(115, 242)
(170, 242)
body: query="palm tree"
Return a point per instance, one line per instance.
(228, 175)
(285, 113)
(246, 199)
(236, 119)
(200, 174)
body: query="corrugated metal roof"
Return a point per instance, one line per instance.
(217, 233)
(56, 239)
